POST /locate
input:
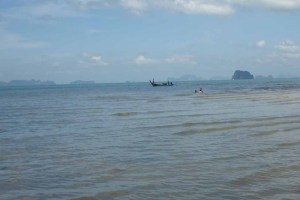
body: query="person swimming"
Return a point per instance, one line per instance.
(199, 91)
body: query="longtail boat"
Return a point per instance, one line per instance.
(160, 84)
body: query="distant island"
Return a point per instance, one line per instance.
(263, 77)
(26, 82)
(79, 82)
(39, 82)
(238, 74)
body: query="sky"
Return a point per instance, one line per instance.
(137, 40)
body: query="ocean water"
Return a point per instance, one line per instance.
(240, 140)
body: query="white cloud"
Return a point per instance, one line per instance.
(261, 43)
(288, 46)
(88, 60)
(50, 10)
(184, 6)
(281, 4)
(94, 31)
(268, 4)
(202, 7)
(180, 59)
(175, 59)
(207, 7)
(10, 40)
(288, 49)
(90, 4)
(43, 10)
(97, 60)
(137, 6)
(142, 60)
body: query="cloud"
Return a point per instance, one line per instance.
(190, 7)
(281, 4)
(48, 10)
(288, 49)
(53, 10)
(137, 6)
(84, 5)
(261, 43)
(268, 4)
(288, 46)
(180, 59)
(43, 10)
(89, 60)
(94, 31)
(285, 53)
(97, 60)
(142, 60)
(201, 7)
(175, 59)
(11, 40)
(206, 7)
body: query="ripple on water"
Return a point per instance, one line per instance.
(125, 114)
(150, 144)
(289, 144)
(265, 133)
(115, 194)
(264, 176)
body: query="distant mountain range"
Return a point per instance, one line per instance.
(27, 82)
(79, 82)
(39, 82)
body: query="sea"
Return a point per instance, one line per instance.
(131, 141)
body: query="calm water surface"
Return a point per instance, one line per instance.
(241, 140)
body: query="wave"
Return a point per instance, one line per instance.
(263, 176)
(106, 195)
(113, 98)
(187, 132)
(125, 114)
(278, 87)
(205, 131)
(289, 144)
(265, 133)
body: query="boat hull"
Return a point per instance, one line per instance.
(160, 84)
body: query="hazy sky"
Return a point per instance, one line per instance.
(137, 40)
